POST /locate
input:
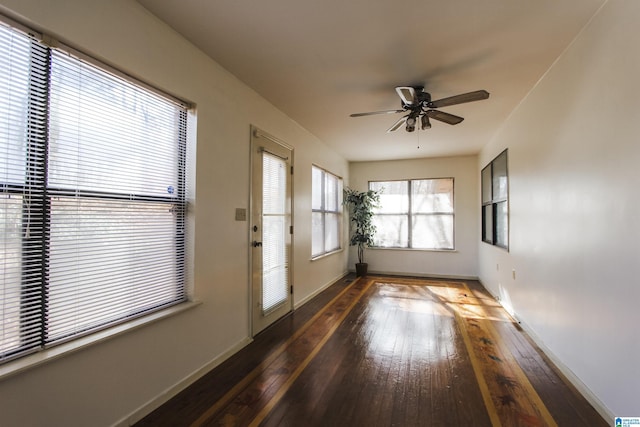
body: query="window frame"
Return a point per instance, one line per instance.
(47, 192)
(410, 214)
(324, 211)
(495, 202)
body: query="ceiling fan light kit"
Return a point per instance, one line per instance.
(426, 124)
(418, 104)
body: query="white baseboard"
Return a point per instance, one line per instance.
(426, 275)
(172, 391)
(582, 388)
(319, 290)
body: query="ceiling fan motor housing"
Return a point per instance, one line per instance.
(422, 96)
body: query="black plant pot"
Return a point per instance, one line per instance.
(361, 269)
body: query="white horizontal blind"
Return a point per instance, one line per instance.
(113, 179)
(333, 197)
(275, 259)
(109, 136)
(317, 211)
(93, 204)
(23, 82)
(326, 212)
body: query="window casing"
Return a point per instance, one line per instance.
(326, 215)
(415, 214)
(92, 197)
(495, 202)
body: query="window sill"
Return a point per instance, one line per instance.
(496, 245)
(316, 258)
(49, 354)
(412, 249)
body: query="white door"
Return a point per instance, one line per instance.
(271, 230)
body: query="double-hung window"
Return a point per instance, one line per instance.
(326, 216)
(416, 214)
(495, 202)
(92, 197)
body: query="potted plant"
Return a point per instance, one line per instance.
(361, 205)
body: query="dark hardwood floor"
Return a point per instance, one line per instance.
(386, 351)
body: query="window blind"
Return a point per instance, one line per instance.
(275, 262)
(326, 203)
(92, 171)
(332, 215)
(317, 211)
(23, 86)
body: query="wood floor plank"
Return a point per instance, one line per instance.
(562, 399)
(386, 351)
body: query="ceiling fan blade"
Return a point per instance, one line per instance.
(371, 113)
(397, 125)
(444, 117)
(407, 94)
(478, 95)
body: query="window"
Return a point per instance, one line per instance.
(92, 197)
(495, 202)
(414, 214)
(326, 216)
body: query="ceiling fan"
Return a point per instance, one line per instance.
(419, 106)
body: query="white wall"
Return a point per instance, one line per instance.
(459, 263)
(574, 157)
(107, 382)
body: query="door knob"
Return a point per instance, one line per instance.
(256, 244)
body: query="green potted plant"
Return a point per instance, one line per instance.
(361, 205)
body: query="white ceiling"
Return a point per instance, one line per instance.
(320, 60)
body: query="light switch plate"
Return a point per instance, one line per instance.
(241, 214)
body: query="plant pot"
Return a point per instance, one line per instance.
(361, 269)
